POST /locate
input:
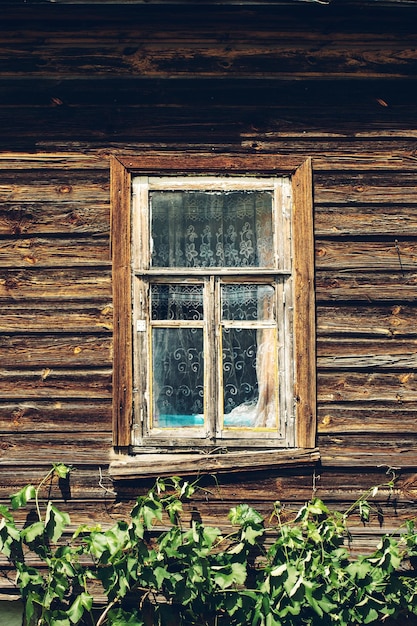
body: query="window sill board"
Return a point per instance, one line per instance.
(154, 465)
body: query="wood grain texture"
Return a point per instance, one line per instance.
(304, 306)
(209, 41)
(329, 83)
(122, 293)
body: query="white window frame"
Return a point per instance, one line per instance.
(281, 275)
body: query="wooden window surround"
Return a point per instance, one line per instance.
(153, 450)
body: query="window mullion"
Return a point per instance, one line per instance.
(211, 395)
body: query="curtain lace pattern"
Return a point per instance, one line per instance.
(210, 230)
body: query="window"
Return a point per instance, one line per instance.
(214, 304)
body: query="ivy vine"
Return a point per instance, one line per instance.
(276, 572)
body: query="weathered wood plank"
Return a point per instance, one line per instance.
(49, 252)
(339, 155)
(365, 255)
(54, 186)
(122, 294)
(386, 451)
(304, 320)
(68, 285)
(364, 418)
(370, 220)
(34, 218)
(170, 123)
(54, 350)
(60, 415)
(370, 354)
(210, 45)
(46, 383)
(56, 447)
(392, 320)
(367, 387)
(371, 188)
(53, 160)
(147, 465)
(65, 317)
(367, 287)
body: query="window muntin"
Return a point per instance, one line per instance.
(212, 269)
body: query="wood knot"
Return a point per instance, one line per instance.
(11, 283)
(65, 189)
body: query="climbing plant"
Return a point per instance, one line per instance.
(284, 571)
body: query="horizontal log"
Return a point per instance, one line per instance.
(55, 285)
(391, 320)
(62, 415)
(367, 353)
(269, 94)
(71, 449)
(146, 465)
(366, 255)
(170, 123)
(46, 383)
(97, 123)
(357, 417)
(333, 154)
(365, 220)
(67, 317)
(374, 188)
(203, 42)
(52, 186)
(365, 450)
(364, 387)
(55, 351)
(34, 218)
(87, 486)
(338, 153)
(187, 127)
(392, 287)
(48, 252)
(54, 161)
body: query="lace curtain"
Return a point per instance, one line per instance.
(212, 229)
(203, 230)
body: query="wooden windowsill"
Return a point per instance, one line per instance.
(148, 465)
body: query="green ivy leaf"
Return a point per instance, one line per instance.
(9, 538)
(81, 603)
(364, 510)
(4, 511)
(20, 498)
(33, 532)
(150, 511)
(228, 575)
(160, 574)
(244, 514)
(61, 470)
(55, 522)
(250, 534)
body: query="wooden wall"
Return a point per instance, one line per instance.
(80, 83)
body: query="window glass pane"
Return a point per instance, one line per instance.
(249, 378)
(178, 377)
(177, 302)
(248, 302)
(212, 229)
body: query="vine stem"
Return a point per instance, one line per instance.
(108, 608)
(37, 491)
